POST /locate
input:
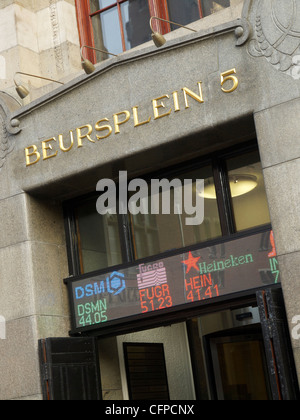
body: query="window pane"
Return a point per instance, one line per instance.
(183, 12)
(156, 233)
(248, 191)
(106, 3)
(136, 17)
(213, 6)
(100, 4)
(107, 33)
(99, 238)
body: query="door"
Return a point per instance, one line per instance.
(281, 366)
(247, 353)
(70, 369)
(239, 366)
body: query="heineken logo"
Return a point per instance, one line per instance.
(223, 264)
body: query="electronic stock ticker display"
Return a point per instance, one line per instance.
(195, 276)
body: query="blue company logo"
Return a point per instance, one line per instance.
(114, 284)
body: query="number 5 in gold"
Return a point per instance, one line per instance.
(229, 75)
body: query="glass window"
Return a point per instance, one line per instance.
(118, 25)
(107, 33)
(212, 6)
(100, 4)
(98, 238)
(152, 229)
(248, 192)
(135, 17)
(156, 233)
(183, 12)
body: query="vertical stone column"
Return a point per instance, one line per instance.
(278, 135)
(33, 264)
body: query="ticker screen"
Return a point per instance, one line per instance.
(190, 277)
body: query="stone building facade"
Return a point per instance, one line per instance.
(132, 114)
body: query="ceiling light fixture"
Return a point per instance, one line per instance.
(239, 185)
(158, 39)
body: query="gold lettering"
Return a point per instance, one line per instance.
(81, 136)
(99, 127)
(229, 75)
(105, 127)
(156, 107)
(136, 117)
(176, 101)
(61, 142)
(118, 123)
(47, 146)
(29, 154)
(187, 92)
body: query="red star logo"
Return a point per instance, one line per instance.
(191, 262)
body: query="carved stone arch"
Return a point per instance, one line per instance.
(8, 126)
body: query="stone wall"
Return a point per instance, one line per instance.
(38, 37)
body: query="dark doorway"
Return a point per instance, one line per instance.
(146, 371)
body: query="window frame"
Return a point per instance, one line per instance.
(157, 8)
(117, 4)
(224, 202)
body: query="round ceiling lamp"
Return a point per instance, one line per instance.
(239, 185)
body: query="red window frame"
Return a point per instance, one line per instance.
(157, 8)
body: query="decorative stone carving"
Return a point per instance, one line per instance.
(277, 35)
(8, 127)
(56, 36)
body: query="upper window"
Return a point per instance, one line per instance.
(234, 201)
(118, 25)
